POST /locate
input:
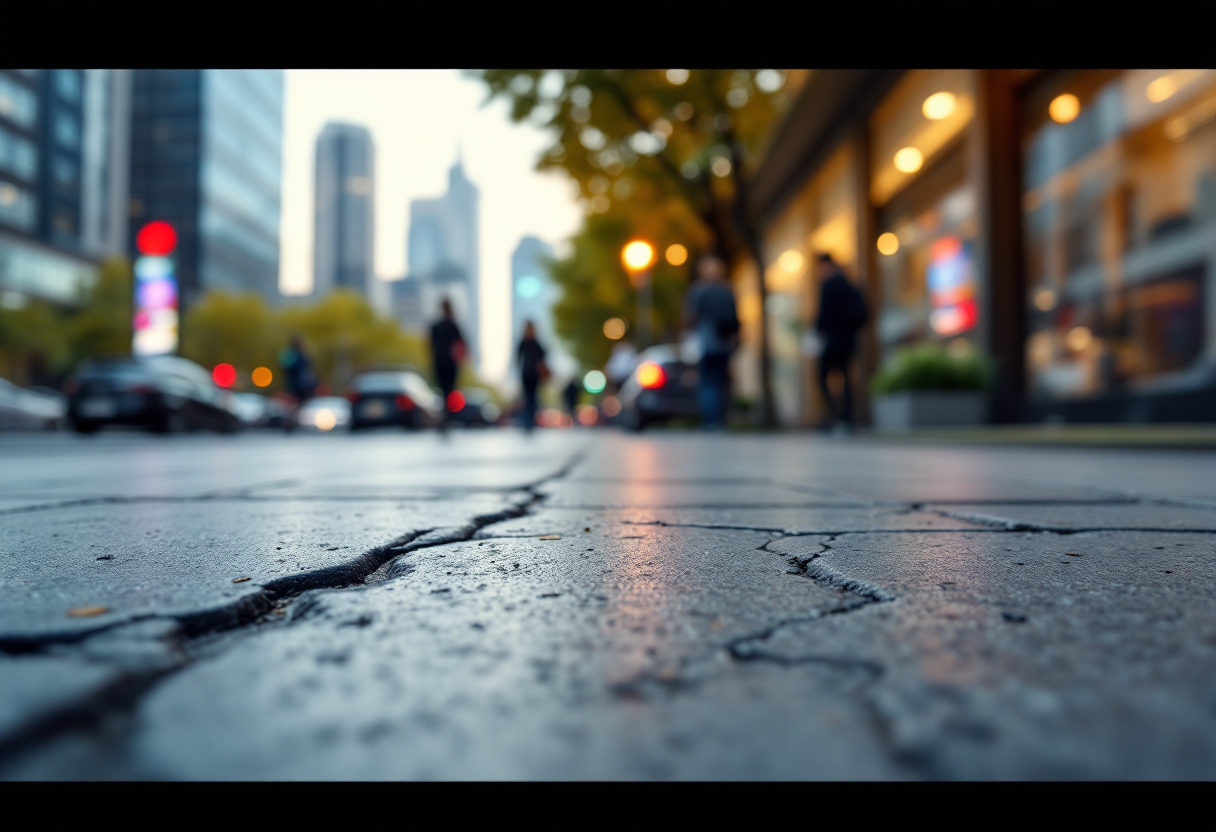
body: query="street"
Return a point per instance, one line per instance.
(585, 604)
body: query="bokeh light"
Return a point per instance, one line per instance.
(1064, 108)
(677, 255)
(611, 406)
(528, 286)
(651, 375)
(791, 261)
(721, 166)
(909, 160)
(637, 255)
(939, 105)
(224, 375)
(262, 377)
(326, 420)
(588, 415)
(595, 382)
(1161, 89)
(677, 76)
(614, 329)
(156, 239)
(770, 80)
(888, 243)
(1045, 300)
(455, 401)
(1079, 338)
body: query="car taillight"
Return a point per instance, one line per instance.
(651, 376)
(405, 403)
(352, 397)
(141, 389)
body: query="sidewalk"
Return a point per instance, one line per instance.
(1093, 436)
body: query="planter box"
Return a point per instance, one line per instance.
(910, 409)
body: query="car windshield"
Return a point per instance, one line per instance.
(381, 383)
(114, 369)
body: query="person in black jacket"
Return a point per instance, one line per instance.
(532, 370)
(447, 352)
(842, 313)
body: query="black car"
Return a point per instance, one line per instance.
(478, 409)
(662, 387)
(166, 394)
(399, 398)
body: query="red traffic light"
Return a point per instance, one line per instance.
(224, 375)
(156, 239)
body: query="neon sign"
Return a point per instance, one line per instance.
(156, 302)
(951, 287)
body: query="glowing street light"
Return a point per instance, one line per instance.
(638, 257)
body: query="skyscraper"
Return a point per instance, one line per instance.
(532, 298)
(345, 210)
(206, 157)
(63, 176)
(443, 253)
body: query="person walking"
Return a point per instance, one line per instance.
(300, 376)
(570, 395)
(530, 356)
(842, 314)
(448, 351)
(710, 311)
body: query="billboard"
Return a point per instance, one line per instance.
(951, 287)
(156, 302)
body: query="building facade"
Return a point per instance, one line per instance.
(344, 210)
(206, 157)
(1062, 222)
(63, 180)
(443, 253)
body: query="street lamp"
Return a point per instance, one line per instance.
(638, 257)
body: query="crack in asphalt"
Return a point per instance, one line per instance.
(122, 694)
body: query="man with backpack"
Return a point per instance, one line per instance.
(711, 312)
(842, 313)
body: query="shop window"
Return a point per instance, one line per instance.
(1120, 211)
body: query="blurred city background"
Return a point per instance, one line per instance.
(1035, 247)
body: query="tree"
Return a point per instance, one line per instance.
(690, 136)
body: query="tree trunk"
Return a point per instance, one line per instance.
(768, 409)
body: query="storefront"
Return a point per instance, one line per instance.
(1063, 222)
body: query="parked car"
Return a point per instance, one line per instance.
(165, 394)
(325, 413)
(400, 398)
(662, 387)
(33, 409)
(479, 409)
(258, 411)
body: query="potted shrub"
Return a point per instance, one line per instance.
(929, 385)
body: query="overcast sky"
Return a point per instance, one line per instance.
(417, 118)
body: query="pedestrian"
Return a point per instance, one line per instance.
(842, 313)
(448, 351)
(300, 376)
(532, 371)
(710, 311)
(570, 394)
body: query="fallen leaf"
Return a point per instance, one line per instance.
(241, 580)
(587, 529)
(1072, 554)
(551, 537)
(85, 612)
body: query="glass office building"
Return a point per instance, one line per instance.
(52, 219)
(206, 157)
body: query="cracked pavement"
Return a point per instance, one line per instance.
(591, 605)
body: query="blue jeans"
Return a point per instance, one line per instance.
(713, 386)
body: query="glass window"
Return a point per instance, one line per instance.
(43, 273)
(17, 103)
(919, 121)
(17, 155)
(1119, 215)
(17, 206)
(67, 131)
(66, 173)
(67, 84)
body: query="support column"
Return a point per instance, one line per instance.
(996, 169)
